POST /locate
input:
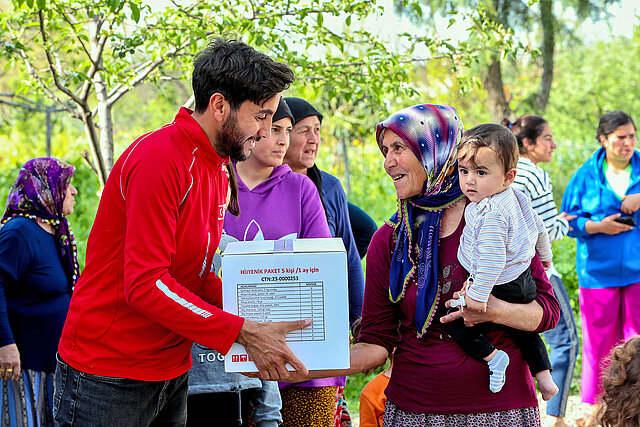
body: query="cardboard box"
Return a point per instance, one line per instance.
(279, 280)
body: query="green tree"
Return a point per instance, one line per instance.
(85, 55)
(510, 15)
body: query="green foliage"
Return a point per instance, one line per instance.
(91, 53)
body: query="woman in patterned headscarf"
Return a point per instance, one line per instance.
(38, 268)
(412, 276)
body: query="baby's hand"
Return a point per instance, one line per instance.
(546, 264)
(474, 305)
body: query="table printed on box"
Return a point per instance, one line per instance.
(271, 281)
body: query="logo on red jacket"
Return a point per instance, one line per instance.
(221, 212)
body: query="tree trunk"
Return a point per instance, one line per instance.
(106, 122)
(498, 104)
(548, 45)
(94, 145)
(101, 148)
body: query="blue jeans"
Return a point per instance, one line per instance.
(81, 399)
(563, 340)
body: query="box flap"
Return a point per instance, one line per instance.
(316, 245)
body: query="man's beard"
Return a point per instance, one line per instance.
(230, 139)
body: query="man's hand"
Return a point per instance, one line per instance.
(630, 203)
(266, 346)
(546, 264)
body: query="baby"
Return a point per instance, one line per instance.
(501, 236)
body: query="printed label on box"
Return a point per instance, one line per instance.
(290, 285)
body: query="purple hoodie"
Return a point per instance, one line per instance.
(286, 205)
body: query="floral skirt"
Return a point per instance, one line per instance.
(521, 417)
(27, 402)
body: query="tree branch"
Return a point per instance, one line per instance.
(95, 62)
(52, 69)
(64, 15)
(143, 71)
(31, 70)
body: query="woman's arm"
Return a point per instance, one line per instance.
(379, 333)
(539, 315)
(363, 357)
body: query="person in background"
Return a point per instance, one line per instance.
(217, 397)
(146, 292)
(372, 397)
(301, 157)
(536, 145)
(604, 194)
(38, 269)
(621, 397)
(373, 400)
(362, 226)
(276, 203)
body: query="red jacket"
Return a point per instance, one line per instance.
(146, 293)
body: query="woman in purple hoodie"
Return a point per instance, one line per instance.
(277, 203)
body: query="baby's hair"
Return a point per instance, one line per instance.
(496, 137)
(621, 398)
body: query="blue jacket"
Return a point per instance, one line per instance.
(335, 202)
(602, 261)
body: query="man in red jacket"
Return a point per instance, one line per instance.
(146, 293)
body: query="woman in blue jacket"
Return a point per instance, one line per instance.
(605, 195)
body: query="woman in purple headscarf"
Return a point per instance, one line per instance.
(413, 275)
(38, 268)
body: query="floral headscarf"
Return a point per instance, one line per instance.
(39, 193)
(432, 132)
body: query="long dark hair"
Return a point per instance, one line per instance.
(233, 207)
(621, 398)
(526, 127)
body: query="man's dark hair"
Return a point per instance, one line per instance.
(612, 121)
(238, 72)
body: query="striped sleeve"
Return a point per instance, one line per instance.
(535, 183)
(489, 256)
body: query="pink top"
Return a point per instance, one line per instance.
(433, 374)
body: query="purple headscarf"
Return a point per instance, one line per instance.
(432, 132)
(39, 193)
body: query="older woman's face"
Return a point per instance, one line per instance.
(620, 144)
(402, 166)
(69, 200)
